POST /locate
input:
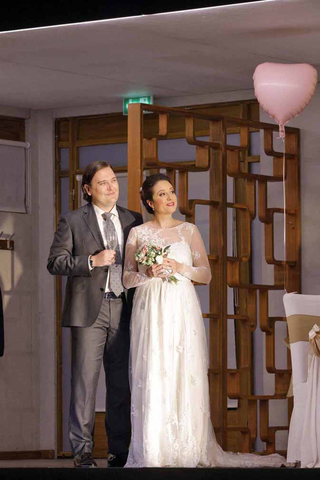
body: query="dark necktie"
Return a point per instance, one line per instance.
(115, 270)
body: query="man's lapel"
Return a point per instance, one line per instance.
(90, 218)
(124, 223)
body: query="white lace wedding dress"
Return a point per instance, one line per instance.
(170, 415)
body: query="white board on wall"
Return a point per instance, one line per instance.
(14, 174)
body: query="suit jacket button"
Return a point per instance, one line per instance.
(101, 289)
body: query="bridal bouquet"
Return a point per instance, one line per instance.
(151, 254)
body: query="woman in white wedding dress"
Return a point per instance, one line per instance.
(170, 414)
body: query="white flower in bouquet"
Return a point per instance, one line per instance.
(159, 259)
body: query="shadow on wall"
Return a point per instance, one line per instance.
(19, 365)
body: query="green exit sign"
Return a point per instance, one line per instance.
(126, 101)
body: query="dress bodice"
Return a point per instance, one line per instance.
(186, 247)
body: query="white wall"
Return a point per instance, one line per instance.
(19, 368)
(42, 138)
(27, 370)
(19, 402)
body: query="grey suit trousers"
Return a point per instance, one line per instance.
(106, 341)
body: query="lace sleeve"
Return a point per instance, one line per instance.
(200, 272)
(131, 277)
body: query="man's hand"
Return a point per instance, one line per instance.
(103, 258)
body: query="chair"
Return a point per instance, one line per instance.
(303, 312)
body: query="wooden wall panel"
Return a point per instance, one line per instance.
(112, 127)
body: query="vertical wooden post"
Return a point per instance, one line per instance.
(293, 220)
(135, 155)
(218, 286)
(243, 231)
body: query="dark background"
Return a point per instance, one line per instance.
(30, 14)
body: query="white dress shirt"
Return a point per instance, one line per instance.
(117, 224)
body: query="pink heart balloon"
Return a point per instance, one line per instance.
(284, 90)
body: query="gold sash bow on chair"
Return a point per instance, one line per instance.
(299, 328)
(314, 340)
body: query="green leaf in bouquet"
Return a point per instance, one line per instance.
(173, 279)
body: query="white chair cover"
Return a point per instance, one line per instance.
(302, 312)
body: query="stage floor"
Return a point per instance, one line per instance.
(62, 469)
(55, 463)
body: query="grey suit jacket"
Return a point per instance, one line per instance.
(78, 236)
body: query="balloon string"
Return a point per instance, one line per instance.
(284, 212)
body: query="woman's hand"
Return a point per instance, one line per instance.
(171, 266)
(156, 271)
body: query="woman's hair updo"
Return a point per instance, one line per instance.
(146, 192)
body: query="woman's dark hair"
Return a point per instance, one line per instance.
(146, 192)
(88, 175)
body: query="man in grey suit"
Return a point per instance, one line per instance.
(88, 247)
